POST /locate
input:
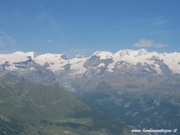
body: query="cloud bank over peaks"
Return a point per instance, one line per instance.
(149, 43)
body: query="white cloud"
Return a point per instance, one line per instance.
(49, 41)
(159, 45)
(144, 43)
(40, 40)
(46, 41)
(160, 21)
(42, 16)
(6, 42)
(148, 43)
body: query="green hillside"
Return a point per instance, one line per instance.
(31, 109)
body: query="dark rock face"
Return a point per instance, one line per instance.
(26, 62)
(164, 68)
(31, 71)
(3, 66)
(95, 61)
(67, 67)
(64, 57)
(40, 76)
(46, 65)
(123, 67)
(93, 72)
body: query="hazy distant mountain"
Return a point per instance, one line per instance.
(157, 107)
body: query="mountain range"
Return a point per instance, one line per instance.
(80, 73)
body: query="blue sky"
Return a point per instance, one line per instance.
(85, 26)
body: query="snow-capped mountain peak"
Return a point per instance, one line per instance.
(124, 52)
(142, 52)
(103, 54)
(79, 56)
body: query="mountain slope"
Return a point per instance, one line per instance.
(37, 109)
(157, 107)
